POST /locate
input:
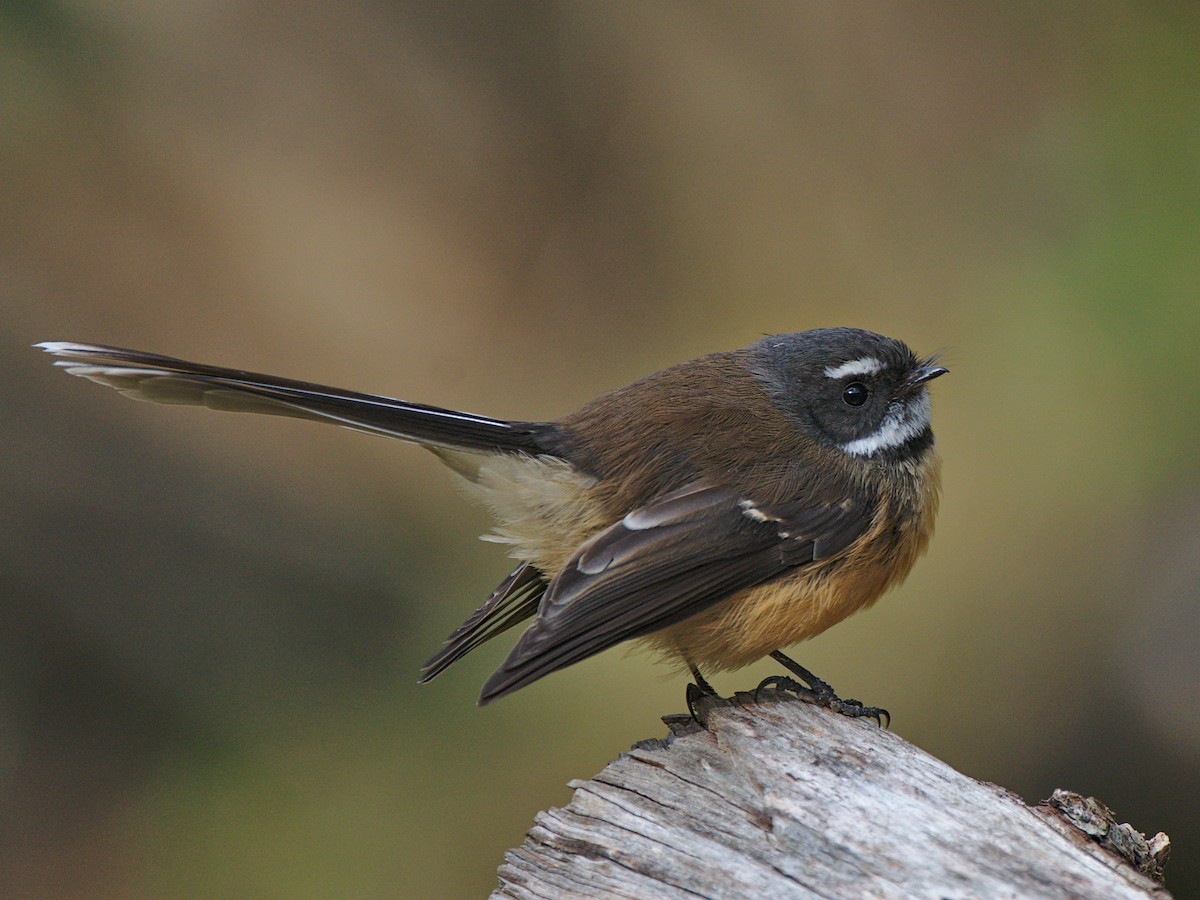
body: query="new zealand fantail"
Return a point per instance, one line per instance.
(717, 510)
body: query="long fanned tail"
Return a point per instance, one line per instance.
(162, 379)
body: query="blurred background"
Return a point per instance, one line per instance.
(212, 624)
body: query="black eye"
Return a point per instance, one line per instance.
(856, 393)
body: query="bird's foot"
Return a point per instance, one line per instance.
(814, 690)
(697, 691)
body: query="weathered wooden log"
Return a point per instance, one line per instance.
(782, 799)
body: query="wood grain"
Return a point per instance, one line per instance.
(782, 799)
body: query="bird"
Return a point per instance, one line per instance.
(715, 512)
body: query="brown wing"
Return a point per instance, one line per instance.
(668, 561)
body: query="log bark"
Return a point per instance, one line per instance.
(783, 799)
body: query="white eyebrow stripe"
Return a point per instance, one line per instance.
(866, 365)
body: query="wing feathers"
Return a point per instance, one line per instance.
(664, 563)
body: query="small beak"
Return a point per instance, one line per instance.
(918, 377)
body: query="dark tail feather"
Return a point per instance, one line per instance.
(514, 600)
(162, 379)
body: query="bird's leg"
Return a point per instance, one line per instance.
(701, 681)
(697, 690)
(820, 692)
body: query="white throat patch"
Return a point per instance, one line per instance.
(866, 365)
(905, 420)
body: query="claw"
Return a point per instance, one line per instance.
(697, 692)
(781, 683)
(694, 694)
(819, 692)
(855, 710)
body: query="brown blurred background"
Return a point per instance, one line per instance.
(212, 624)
